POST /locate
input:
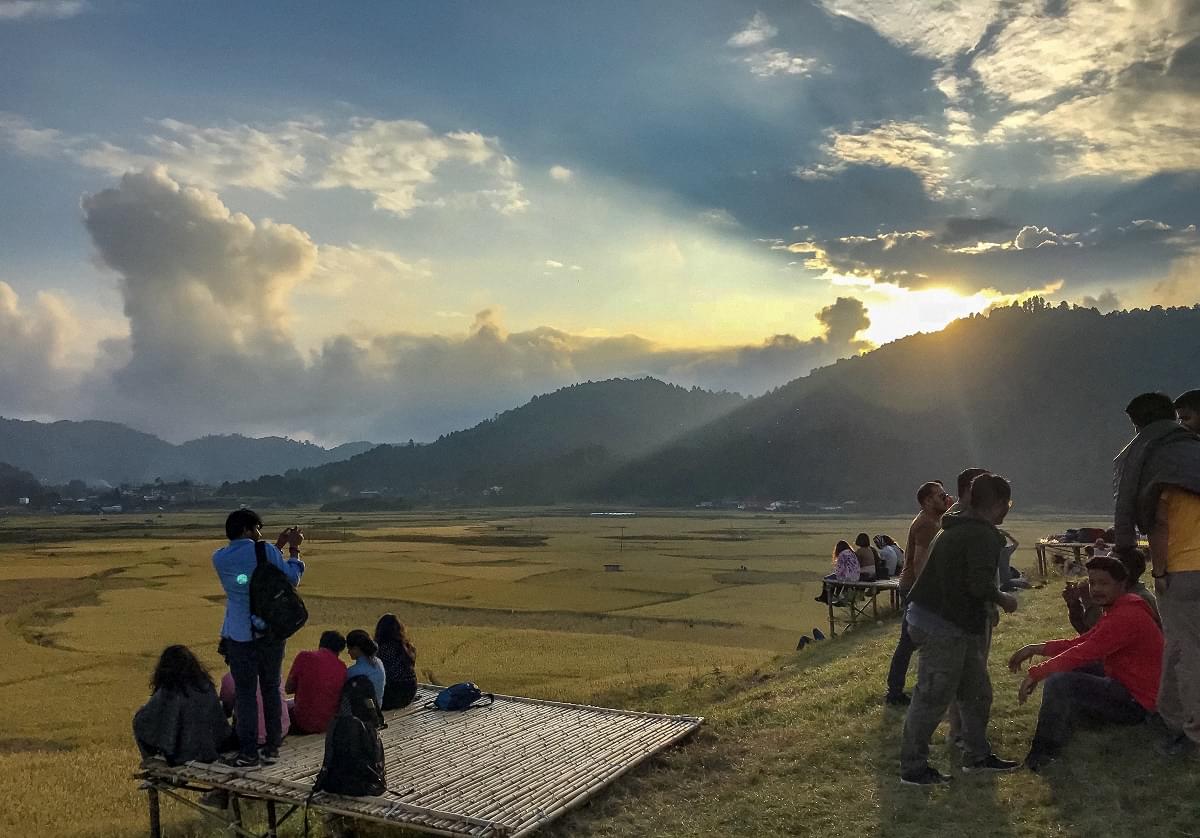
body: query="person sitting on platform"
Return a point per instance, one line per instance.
(868, 559)
(183, 720)
(363, 651)
(399, 658)
(845, 569)
(890, 552)
(316, 682)
(228, 696)
(1123, 689)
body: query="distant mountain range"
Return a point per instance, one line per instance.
(109, 452)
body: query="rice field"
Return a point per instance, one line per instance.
(517, 602)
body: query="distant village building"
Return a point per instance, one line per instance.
(22, 501)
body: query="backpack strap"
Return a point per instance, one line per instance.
(490, 698)
(260, 552)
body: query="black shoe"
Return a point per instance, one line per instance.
(823, 598)
(818, 634)
(897, 699)
(930, 776)
(1038, 759)
(241, 761)
(804, 641)
(269, 756)
(991, 763)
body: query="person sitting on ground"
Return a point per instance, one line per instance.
(316, 680)
(867, 557)
(890, 552)
(1187, 408)
(1084, 612)
(183, 720)
(845, 569)
(1128, 645)
(399, 658)
(228, 696)
(363, 651)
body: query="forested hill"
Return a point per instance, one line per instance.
(541, 451)
(107, 451)
(1033, 392)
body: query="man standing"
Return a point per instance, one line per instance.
(933, 500)
(1109, 674)
(255, 658)
(947, 620)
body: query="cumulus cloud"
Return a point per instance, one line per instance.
(905, 145)
(29, 9)
(779, 62)
(951, 28)
(403, 165)
(35, 370)
(756, 31)
(561, 173)
(1106, 301)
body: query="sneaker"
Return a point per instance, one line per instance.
(241, 761)
(930, 776)
(269, 756)
(991, 763)
(897, 699)
(1176, 745)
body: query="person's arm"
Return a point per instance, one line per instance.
(1159, 539)
(289, 685)
(293, 568)
(1106, 638)
(1127, 472)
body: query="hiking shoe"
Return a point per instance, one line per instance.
(897, 699)
(241, 761)
(269, 756)
(991, 763)
(930, 776)
(1176, 745)
(1036, 760)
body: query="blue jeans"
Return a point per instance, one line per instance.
(256, 665)
(1084, 695)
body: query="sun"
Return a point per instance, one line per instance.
(896, 312)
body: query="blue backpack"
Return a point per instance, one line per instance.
(460, 697)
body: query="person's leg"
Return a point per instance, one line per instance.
(974, 699)
(901, 658)
(954, 715)
(1179, 690)
(939, 666)
(243, 663)
(269, 656)
(1068, 697)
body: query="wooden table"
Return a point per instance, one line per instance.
(1076, 548)
(855, 607)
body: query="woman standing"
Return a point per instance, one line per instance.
(399, 658)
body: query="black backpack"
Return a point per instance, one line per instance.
(353, 763)
(273, 599)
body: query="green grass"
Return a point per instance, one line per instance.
(522, 604)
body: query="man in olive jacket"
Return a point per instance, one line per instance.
(948, 619)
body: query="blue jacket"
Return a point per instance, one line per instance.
(235, 564)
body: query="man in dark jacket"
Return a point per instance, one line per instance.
(1109, 674)
(948, 620)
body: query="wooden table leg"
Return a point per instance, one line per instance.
(825, 586)
(272, 824)
(875, 604)
(155, 815)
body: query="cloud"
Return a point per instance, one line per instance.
(903, 145)
(1105, 302)
(757, 30)
(780, 62)
(35, 371)
(561, 173)
(403, 165)
(951, 28)
(31, 9)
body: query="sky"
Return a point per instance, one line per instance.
(393, 220)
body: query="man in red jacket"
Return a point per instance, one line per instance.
(1122, 689)
(316, 680)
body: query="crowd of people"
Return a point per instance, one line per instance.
(1135, 653)
(189, 718)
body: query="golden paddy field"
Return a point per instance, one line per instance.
(518, 603)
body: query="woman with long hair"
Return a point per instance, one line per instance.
(399, 658)
(845, 569)
(365, 654)
(183, 720)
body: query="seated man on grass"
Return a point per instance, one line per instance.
(1108, 675)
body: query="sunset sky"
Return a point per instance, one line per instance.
(384, 221)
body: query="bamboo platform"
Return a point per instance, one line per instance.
(503, 770)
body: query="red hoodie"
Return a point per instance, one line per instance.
(1126, 639)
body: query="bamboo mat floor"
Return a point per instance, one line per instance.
(503, 770)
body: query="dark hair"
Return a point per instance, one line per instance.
(239, 521)
(333, 641)
(179, 670)
(966, 477)
(389, 629)
(839, 547)
(928, 489)
(1113, 567)
(1188, 401)
(1150, 407)
(1135, 563)
(862, 540)
(359, 639)
(987, 490)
